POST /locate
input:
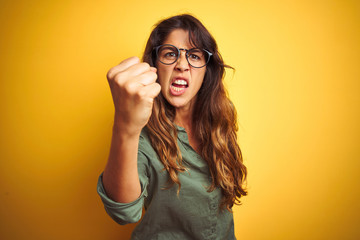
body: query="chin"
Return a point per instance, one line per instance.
(177, 103)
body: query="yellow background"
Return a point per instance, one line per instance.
(296, 89)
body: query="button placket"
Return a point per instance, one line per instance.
(212, 201)
(213, 206)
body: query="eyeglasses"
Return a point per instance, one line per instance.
(169, 54)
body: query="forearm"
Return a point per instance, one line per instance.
(120, 177)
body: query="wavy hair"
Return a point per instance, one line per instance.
(215, 128)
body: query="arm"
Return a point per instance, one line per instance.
(130, 212)
(133, 89)
(120, 177)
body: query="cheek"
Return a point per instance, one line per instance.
(163, 75)
(163, 79)
(199, 77)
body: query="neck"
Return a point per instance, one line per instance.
(183, 118)
(184, 115)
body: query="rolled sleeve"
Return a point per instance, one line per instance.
(122, 213)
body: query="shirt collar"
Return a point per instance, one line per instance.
(180, 129)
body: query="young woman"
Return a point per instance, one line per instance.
(174, 147)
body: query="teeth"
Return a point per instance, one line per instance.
(177, 89)
(180, 82)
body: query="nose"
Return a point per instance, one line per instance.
(182, 63)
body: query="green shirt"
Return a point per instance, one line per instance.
(193, 214)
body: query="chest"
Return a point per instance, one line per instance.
(194, 142)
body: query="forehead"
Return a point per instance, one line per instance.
(179, 38)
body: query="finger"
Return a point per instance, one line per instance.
(137, 69)
(122, 66)
(153, 69)
(152, 90)
(145, 78)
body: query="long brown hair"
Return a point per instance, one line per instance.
(215, 127)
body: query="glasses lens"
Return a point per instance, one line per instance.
(168, 54)
(197, 57)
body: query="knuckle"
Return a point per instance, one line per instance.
(119, 78)
(144, 65)
(129, 88)
(150, 75)
(157, 89)
(110, 74)
(141, 93)
(132, 60)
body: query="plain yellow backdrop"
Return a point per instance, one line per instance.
(296, 88)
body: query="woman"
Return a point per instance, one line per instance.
(174, 148)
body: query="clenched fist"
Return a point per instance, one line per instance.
(133, 88)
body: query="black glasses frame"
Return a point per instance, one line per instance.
(179, 53)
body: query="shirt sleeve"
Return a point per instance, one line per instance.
(124, 213)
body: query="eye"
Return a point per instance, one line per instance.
(170, 54)
(196, 55)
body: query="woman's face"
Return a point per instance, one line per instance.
(179, 81)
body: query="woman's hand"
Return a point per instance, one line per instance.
(133, 88)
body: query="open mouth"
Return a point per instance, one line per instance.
(179, 85)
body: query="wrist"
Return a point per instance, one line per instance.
(123, 131)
